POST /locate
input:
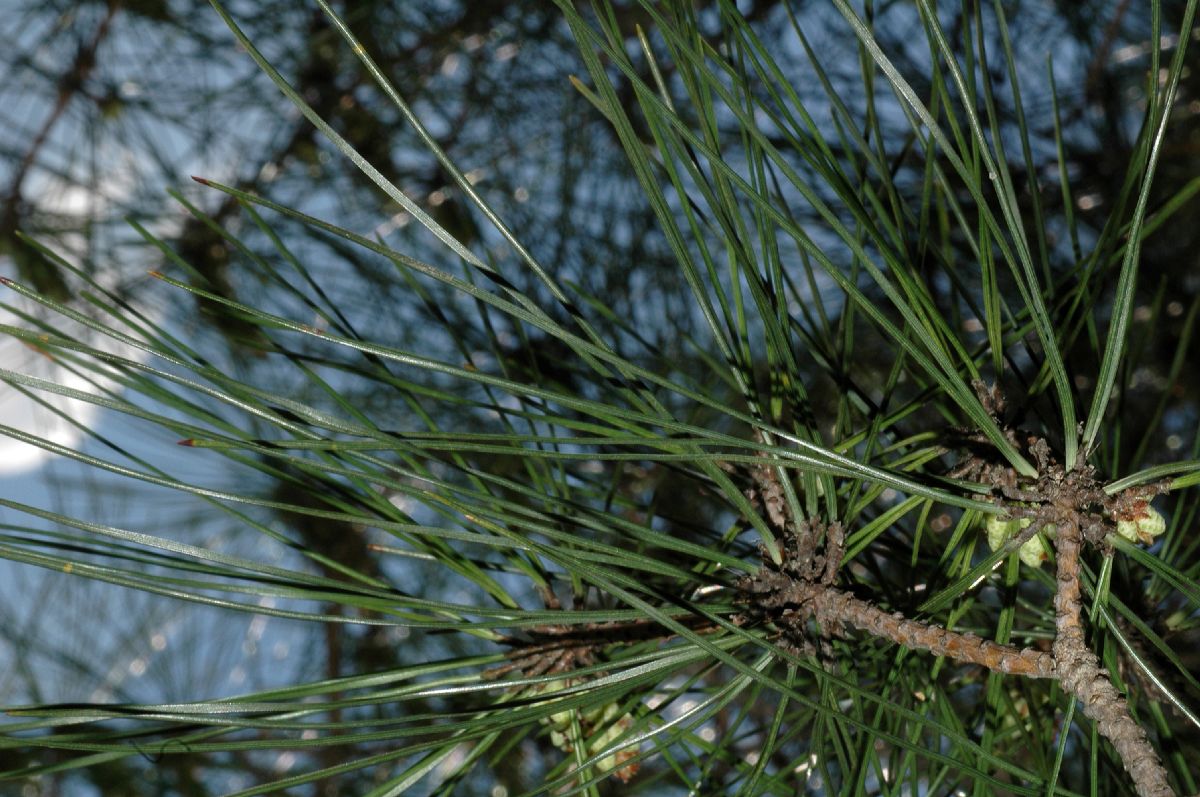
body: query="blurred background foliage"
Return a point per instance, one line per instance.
(105, 106)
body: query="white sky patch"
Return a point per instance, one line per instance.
(50, 416)
(52, 421)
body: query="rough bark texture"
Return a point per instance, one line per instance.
(794, 602)
(1080, 674)
(832, 607)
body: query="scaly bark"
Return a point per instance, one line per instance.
(791, 603)
(1081, 675)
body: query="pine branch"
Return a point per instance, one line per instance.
(802, 589)
(834, 609)
(1081, 675)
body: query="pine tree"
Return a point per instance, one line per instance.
(843, 502)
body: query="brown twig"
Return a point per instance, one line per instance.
(1080, 674)
(836, 606)
(834, 609)
(802, 589)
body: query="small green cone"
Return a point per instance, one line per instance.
(1000, 530)
(1144, 529)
